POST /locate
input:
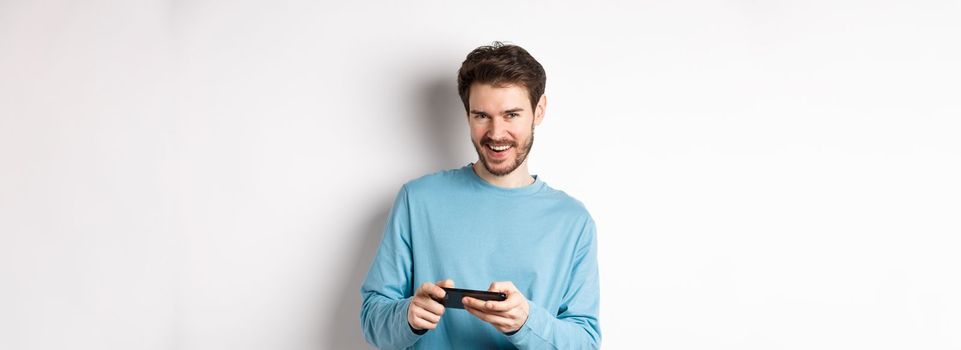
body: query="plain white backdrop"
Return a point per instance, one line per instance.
(217, 174)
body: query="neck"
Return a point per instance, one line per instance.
(517, 178)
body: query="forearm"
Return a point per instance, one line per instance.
(386, 297)
(546, 331)
(384, 322)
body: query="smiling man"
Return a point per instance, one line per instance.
(489, 224)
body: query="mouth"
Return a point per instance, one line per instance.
(498, 151)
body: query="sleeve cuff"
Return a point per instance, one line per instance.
(536, 327)
(418, 332)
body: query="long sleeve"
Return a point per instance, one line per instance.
(387, 290)
(575, 324)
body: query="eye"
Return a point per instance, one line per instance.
(477, 116)
(514, 115)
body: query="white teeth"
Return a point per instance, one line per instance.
(501, 148)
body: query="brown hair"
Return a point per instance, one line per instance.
(501, 64)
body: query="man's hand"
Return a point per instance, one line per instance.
(508, 315)
(424, 311)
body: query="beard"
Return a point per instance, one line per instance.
(520, 154)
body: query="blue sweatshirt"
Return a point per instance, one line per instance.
(454, 224)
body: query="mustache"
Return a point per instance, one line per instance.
(486, 141)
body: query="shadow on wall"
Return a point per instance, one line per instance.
(344, 330)
(441, 121)
(444, 123)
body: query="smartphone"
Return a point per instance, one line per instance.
(455, 295)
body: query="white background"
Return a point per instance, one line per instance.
(217, 174)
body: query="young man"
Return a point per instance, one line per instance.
(487, 224)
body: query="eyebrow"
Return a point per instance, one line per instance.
(512, 110)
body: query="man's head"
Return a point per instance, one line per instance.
(502, 88)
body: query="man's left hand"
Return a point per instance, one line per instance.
(508, 315)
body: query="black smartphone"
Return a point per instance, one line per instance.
(455, 295)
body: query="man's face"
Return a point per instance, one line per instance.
(499, 117)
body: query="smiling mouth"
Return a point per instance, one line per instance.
(498, 149)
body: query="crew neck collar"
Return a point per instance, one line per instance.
(519, 191)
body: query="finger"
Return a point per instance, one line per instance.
(477, 313)
(492, 313)
(430, 305)
(431, 290)
(426, 315)
(475, 303)
(423, 289)
(435, 291)
(493, 319)
(502, 286)
(420, 323)
(481, 305)
(513, 300)
(449, 283)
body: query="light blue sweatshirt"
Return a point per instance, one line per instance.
(454, 224)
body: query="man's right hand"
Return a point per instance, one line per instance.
(424, 311)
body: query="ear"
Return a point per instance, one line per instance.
(540, 109)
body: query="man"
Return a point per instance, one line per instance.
(489, 223)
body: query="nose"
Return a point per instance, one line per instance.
(498, 130)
